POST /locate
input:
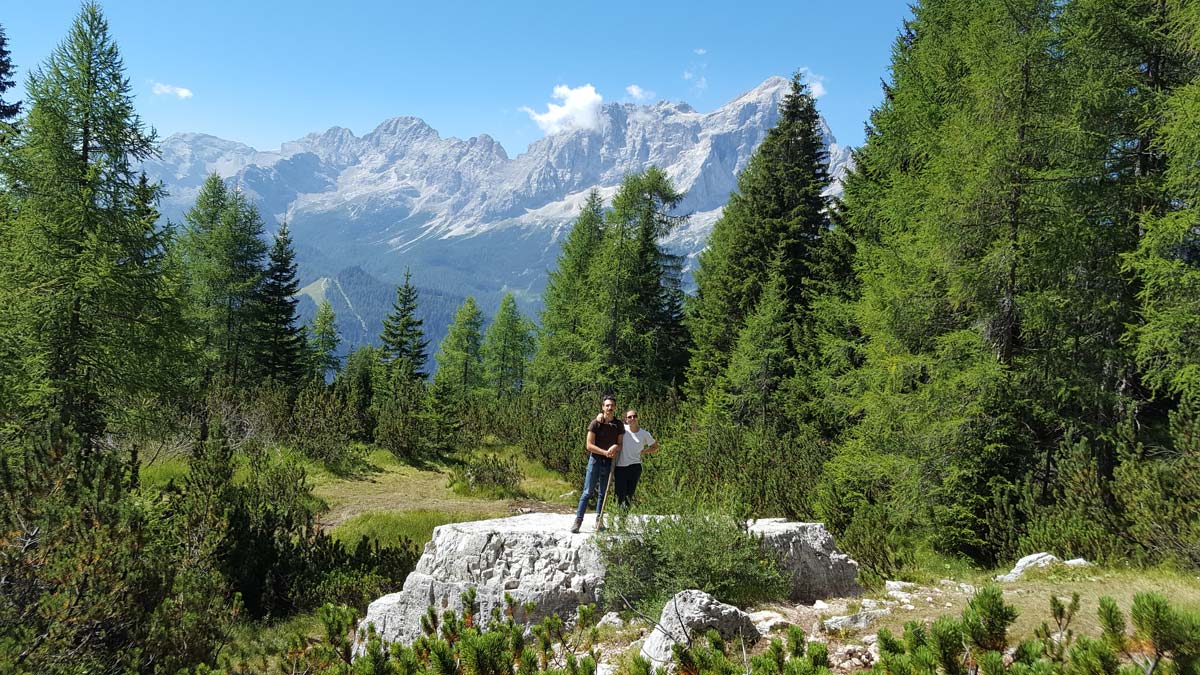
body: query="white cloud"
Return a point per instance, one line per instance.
(688, 75)
(816, 83)
(638, 94)
(580, 109)
(702, 83)
(180, 92)
(700, 51)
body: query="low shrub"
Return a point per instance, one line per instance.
(650, 559)
(488, 473)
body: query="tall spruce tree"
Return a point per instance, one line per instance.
(459, 357)
(561, 367)
(8, 110)
(403, 335)
(278, 341)
(507, 347)
(90, 338)
(778, 208)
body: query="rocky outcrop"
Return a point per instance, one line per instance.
(535, 559)
(815, 567)
(1038, 560)
(687, 617)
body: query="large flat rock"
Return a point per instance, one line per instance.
(535, 558)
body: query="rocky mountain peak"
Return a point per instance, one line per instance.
(463, 210)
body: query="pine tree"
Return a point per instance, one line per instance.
(8, 111)
(779, 208)
(561, 367)
(507, 346)
(278, 342)
(459, 358)
(403, 336)
(323, 341)
(90, 339)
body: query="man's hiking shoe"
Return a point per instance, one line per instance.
(576, 526)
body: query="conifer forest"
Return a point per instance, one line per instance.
(988, 346)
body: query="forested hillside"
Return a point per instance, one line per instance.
(990, 346)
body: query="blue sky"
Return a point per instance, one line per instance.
(263, 71)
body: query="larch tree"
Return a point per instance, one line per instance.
(323, 341)
(223, 252)
(507, 347)
(459, 357)
(639, 341)
(561, 366)
(88, 340)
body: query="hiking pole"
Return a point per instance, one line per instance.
(612, 470)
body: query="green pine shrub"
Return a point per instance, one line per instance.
(324, 424)
(488, 473)
(650, 559)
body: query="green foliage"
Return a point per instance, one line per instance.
(278, 342)
(987, 618)
(92, 573)
(459, 357)
(649, 559)
(507, 348)
(488, 473)
(324, 424)
(557, 371)
(323, 341)
(222, 251)
(777, 218)
(400, 408)
(403, 335)
(80, 227)
(614, 309)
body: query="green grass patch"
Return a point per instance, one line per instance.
(162, 471)
(543, 484)
(389, 527)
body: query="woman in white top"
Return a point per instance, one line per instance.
(634, 443)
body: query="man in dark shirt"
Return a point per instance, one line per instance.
(603, 444)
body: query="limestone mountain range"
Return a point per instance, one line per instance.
(464, 216)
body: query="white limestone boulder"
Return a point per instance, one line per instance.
(687, 617)
(815, 567)
(532, 557)
(536, 559)
(1037, 560)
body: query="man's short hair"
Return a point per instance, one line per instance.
(609, 397)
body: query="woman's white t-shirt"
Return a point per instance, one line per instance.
(632, 444)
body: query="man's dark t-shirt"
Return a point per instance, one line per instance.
(607, 432)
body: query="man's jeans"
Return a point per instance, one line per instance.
(597, 474)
